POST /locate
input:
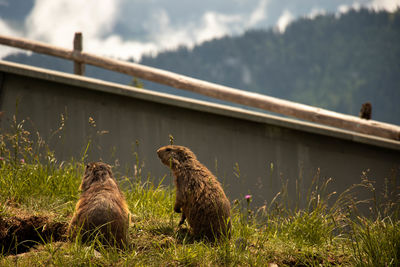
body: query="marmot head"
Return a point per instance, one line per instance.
(173, 156)
(95, 172)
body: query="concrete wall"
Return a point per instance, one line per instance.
(267, 149)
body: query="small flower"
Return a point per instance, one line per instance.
(22, 161)
(248, 198)
(1, 158)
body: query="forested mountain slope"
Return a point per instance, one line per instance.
(334, 62)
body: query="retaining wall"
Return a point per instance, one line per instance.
(250, 152)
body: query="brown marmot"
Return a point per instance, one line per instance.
(366, 111)
(199, 195)
(101, 209)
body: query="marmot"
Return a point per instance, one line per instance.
(199, 195)
(366, 111)
(101, 209)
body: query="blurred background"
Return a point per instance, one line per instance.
(330, 54)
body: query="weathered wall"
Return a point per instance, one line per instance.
(140, 120)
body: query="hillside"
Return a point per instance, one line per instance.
(334, 62)
(331, 62)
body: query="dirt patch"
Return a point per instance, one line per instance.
(18, 234)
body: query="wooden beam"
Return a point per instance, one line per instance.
(225, 93)
(79, 67)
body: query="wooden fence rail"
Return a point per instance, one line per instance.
(225, 93)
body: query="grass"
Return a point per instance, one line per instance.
(32, 181)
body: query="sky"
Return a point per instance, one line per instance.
(127, 29)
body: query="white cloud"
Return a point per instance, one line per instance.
(211, 25)
(346, 8)
(5, 29)
(259, 14)
(284, 20)
(56, 22)
(343, 9)
(315, 12)
(216, 25)
(115, 46)
(389, 5)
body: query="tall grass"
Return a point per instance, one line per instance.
(29, 172)
(328, 230)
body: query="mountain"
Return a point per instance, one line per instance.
(333, 62)
(336, 62)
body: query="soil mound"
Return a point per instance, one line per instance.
(19, 234)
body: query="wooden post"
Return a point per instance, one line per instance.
(288, 108)
(79, 67)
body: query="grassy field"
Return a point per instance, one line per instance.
(38, 196)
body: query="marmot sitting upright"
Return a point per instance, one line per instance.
(199, 195)
(101, 210)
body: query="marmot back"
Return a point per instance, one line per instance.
(199, 195)
(101, 209)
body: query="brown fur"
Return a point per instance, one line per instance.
(199, 195)
(101, 208)
(366, 111)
